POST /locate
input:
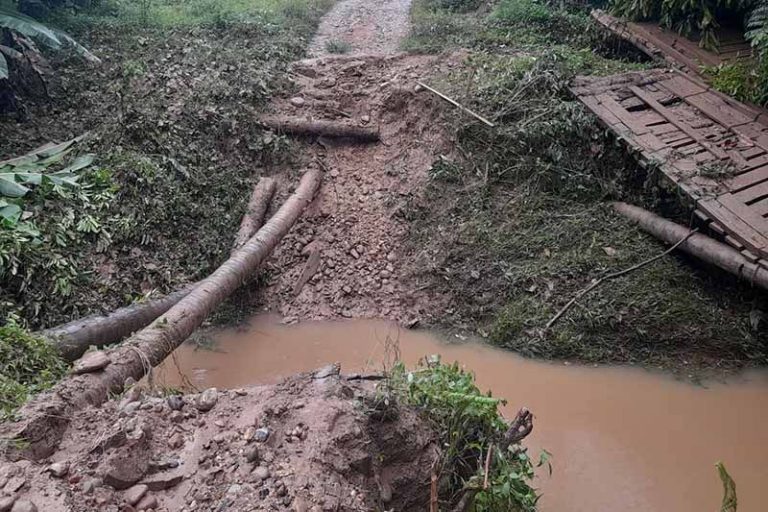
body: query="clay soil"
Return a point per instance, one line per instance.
(313, 442)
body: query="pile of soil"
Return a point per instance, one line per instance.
(359, 221)
(316, 441)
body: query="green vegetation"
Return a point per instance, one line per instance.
(518, 224)
(337, 46)
(468, 422)
(700, 21)
(29, 365)
(171, 115)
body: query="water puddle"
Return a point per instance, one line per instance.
(622, 439)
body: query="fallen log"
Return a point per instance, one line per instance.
(296, 126)
(255, 212)
(74, 338)
(43, 420)
(698, 245)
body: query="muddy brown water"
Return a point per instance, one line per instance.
(621, 438)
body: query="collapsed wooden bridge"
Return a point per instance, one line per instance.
(711, 147)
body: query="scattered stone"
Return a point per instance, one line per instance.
(24, 506)
(261, 472)
(365, 119)
(126, 465)
(135, 493)
(207, 399)
(176, 441)
(327, 371)
(59, 469)
(241, 392)
(261, 435)
(14, 484)
(252, 455)
(234, 489)
(175, 402)
(91, 362)
(297, 101)
(130, 408)
(334, 173)
(417, 88)
(6, 503)
(354, 254)
(176, 417)
(149, 502)
(90, 485)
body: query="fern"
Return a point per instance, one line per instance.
(757, 27)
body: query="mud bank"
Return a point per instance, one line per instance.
(313, 442)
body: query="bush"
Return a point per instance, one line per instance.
(29, 365)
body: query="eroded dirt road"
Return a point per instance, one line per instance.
(351, 242)
(366, 27)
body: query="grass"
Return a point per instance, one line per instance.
(516, 223)
(30, 365)
(467, 422)
(337, 46)
(172, 115)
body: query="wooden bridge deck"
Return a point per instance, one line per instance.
(712, 147)
(678, 51)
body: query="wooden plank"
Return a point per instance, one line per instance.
(721, 210)
(677, 121)
(751, 194)
(617, 110)
(682, 86)
(748, 179)
(715, 108)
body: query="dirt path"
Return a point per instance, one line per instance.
(368, 27)
(351, 244)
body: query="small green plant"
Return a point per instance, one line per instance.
(29, 365)
(337, 46)
(468, 422)
(522, 11)
(730, 502)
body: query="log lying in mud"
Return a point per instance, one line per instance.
(256, 211)
(43, 420)
(296, 126)
(698, 245)
(74, 338)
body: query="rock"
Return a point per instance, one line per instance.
(175, 402)
(334, 173)
(327, 371)
(59, 469)
(176, 417)
(126, 465)
(252, 455)
(261, 472)
(354, 254)
(365, 119)
(135, 493)
(14, 484)
(24, 506)
(130, 408)
(147, 503)
(176, 441)
(297, 101)
(207, 399)
(6, 503)
(165, 480)
(91, 362)
(300, 505)
(249, 434)
(234, 489)
(261, 435)
(90, 484)
(417, 88)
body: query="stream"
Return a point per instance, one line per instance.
(621, 438)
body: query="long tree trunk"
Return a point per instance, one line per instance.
(320, 128)
(255, 212)
(44, 418)
(74, 338)
(698, 245)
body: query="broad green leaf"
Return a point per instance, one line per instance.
(28, 27)
(54, 150)
(9, 187)
(80, 162)
(3, 67)
(11, 212)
